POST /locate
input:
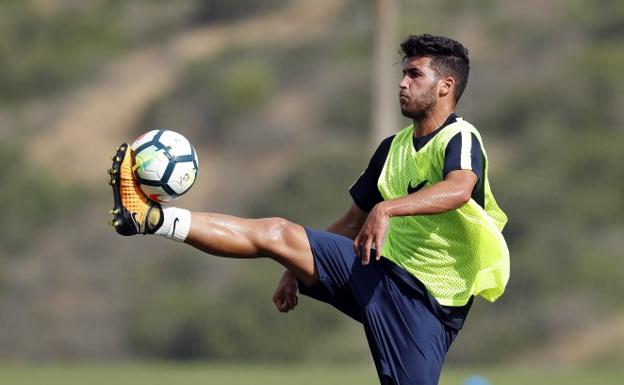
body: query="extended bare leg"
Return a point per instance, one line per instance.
(217, 234)
(276, 238)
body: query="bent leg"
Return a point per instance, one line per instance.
(233, 237)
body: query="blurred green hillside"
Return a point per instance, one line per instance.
(282, 125)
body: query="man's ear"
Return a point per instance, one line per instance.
(447, 86)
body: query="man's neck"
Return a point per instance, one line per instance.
(431, 121)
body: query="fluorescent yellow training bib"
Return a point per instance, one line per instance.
(456, 254)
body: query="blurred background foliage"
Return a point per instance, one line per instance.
(283, 128)
(33, 198)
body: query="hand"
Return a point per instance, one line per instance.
(285, 296)
(372, 233)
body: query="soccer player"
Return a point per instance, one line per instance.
(422, 238)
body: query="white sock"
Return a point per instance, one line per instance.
(176, 223)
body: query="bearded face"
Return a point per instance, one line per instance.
(416, 106)
(419, 88)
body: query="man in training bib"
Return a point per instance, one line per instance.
(421, 240)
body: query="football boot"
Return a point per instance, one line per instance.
(132, 212)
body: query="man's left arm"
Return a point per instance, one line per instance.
(451, 193)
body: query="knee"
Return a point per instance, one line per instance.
(287, 243)
(278, 232)
(276, 227)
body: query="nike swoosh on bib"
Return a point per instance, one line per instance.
(411, 189)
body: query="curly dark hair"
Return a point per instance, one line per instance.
(448, 57)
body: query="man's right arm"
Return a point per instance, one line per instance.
(350, 224)
(365, 195)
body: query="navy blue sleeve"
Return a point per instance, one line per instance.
(364, 191)
(473, 156)
(473, 160)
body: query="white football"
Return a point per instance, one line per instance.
(165, 164)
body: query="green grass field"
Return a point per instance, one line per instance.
(191, 374)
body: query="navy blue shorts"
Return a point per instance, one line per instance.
(407, 341)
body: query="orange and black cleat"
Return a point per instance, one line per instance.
(132, 212)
